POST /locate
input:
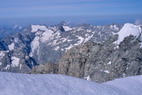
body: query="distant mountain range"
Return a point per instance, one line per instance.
(97, 53)
(9, 30)
(40, 44)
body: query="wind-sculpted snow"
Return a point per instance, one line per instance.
(49, 84)
(132, 85)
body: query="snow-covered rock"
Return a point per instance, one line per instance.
(35, 28)
(102, 61)
(11, 46)
(42, 35)
(67, 28)
(0, 63)
(24, 84)
(2, 54)
(15, 61)
(127, 30)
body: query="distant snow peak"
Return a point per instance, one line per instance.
(114, 27)
(45, 34)
(35, 28)
(67, 28)
(127, 30)
(40, 37)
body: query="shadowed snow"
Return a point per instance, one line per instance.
(49, 84)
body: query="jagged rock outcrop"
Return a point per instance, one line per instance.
(102, 62)
(45, 68)
(108, 60)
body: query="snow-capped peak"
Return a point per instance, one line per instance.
(127, 30)
(67, 28)
(36, 27)
(43, 36)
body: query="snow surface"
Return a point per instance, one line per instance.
(81, 39)
(34, 45)
(106, 71)
(87, 78)
(11, 46)
(114, 27)
(15, 61)
(56, 48)
(69, 47)
(41, 36)
(49, 84)
(7, 67)
(132, 85)
(1, 54)
(127, 30)
(46, 35)
(35, 28)
(109, 63)
(67, 28)
(88, 38)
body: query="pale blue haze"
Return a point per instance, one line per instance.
(98, 10)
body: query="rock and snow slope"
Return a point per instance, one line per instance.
(114, 58)
(40, 44)
(22, 84)
(127, 30)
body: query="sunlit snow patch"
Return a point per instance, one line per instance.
(11, 46)
(15, 61)
(67, 28)
(127, 30)
(42, 34)
(49, 84)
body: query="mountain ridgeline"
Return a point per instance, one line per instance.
(39, 44)
(97, 53)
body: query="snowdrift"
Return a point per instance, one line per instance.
(49, 84)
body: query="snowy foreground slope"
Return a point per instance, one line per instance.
(48, 84)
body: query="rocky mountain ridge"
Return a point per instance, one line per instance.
(119, 56)
(40, 44)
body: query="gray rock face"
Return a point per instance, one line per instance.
(45, 68)
(103, 61)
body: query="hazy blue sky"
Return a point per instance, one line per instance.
(121, 9)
